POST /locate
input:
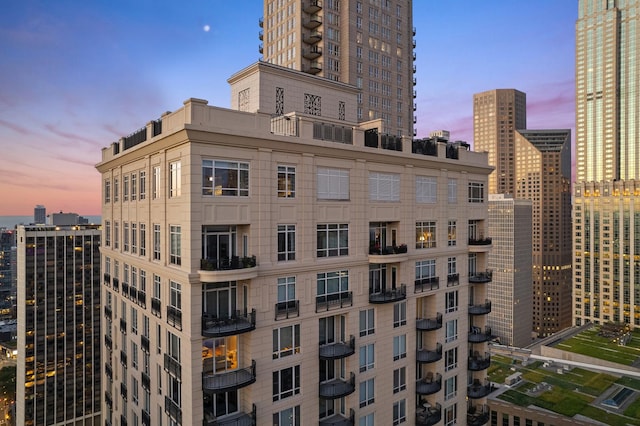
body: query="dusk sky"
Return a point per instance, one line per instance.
(78, 75)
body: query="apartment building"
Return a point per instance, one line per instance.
(292, 268)
(58, 379)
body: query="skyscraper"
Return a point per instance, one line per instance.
(369, 45)
(543, 175)
(606, 222)
(59, 369)
(497, 114)
(39, 215)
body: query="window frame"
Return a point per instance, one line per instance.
(233, 172)
(332, 239)
(332, 183)
(286, 250)
(286, 181)
(279, 390)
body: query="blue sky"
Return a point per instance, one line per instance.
(77, 75)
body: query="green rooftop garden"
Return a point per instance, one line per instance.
(592, 343)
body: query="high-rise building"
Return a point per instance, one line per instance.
(292, 269)
(511, 289)
(39, 215)
(59, 312)
(543, 175)
(497, 114)
(606, 222)
(369, 45)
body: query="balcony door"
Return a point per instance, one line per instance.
(218, 242)
(219, 299)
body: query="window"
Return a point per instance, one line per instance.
(425, 269)
(367, 395)
(107, 191)
(286, 182)
(107, 233)
(125, 236)
(116, 235)
(451, 415)
(286, 242)
(225, 178)
(175, 179)
(134, 392)
(399, 379)
(173, 346)
(399, 347)
(331, 286)
(286, 289)
(384, 186)
(425, 234)
(287, 417)
(451, 301)
(451, 331)
(175, 244)
(368, 420)
(143, 186)
(333, 184)
(286, 382)
(333, 240)
(175, 295)
(426, 189)
(134, 186)
(450, 387)
(286, 341)
(476, 192)
(134, 320)
(143, 239)
(125, 188)
(115, 190)
(156, 241)
(451, 233)
(450, 359)
(367, 357)
(452, 268)
(452, 191)
(157, 184)
(399, 412)
(400, 314)
(367, 322)
(134, 355)
(134, 238)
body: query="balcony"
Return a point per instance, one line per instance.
(313, 68)
(338, 350)
(388, 254)
(481, 309)
(123, 420)
(334, 301)
(146, 381)
(428, 415)
(478, 362)
(123, 358)
(116, 284)
(156, 307)
(107, 279)
(237, 323)
(389, 295)
(313, 22)
(453, 279)
(172, 409)
(174, 317)
(427, 284)
(229, 380)
(108, 371)
(261, 35)
(224, 269)
(108, 313)
(133, 294)
(172, 366)
(142, 298)
(286, 310)
(477, 415)
(338, 388)
(429, 385)
(123, 391)
(108, 398)
(339, 419)
(108, 342)
(123, 326)
(429, 324)
(426, 356)
(313, 52)
(476, 335)
(481, 277)
(312, 6)
(312, 37)
(236, 419)
(144, 341)
(479, 245)
(479, 390)
(125, 289)
(146, 418)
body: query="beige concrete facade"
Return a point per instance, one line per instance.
(369, 45)
(303, 230)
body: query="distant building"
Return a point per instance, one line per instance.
(511, 289)
(39, 215)
(543, 175)
(441, 134)
(66, 219)
(59, 369)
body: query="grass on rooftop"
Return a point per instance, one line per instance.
(590, 343)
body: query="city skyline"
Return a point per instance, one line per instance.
(79, 77)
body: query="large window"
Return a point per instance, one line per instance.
(451, 415)
(175, 295)
(451, 331)
(450, 387)
(175, 179)
(426, 189)
(286, 182)
(367, 322)
(367, 392)
(425, 234)
(450, 359)
(332, 286)
(225, 178)
(399, 379)
(451, 301)
(333, 239)
(287, 417)
(367, 357)
(452, 191)
(384, 186)
(115, 190)
(399, 412)
(399, 347)
(286, 341)
(286, 242)
(156, 241)
(476, 192)
(425, 269)
(368, 420)
(333, 184)
(175, 246)
(400, 314)
(286, 382)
